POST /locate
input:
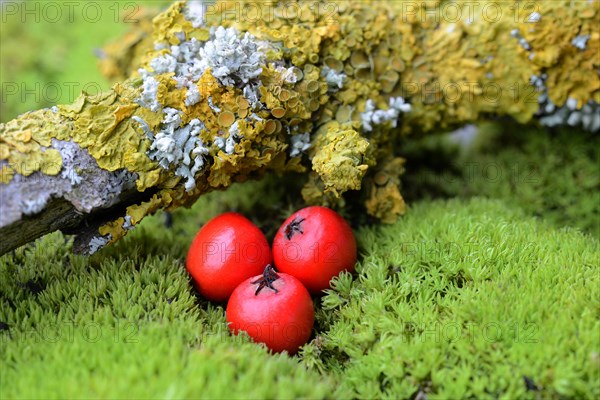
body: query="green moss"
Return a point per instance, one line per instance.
(453, 300)
(127, 323)
(465, 299)
(550, 174)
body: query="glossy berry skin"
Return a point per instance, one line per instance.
(314, 245)
(280, 316)
(226, 251)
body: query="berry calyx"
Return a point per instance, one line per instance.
(268, 277)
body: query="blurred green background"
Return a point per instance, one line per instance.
(48, 49)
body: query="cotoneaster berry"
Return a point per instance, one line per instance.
(226, 251)
(314, 245)
(274, 309)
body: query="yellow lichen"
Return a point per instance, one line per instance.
(278, 112)
(136, 213)
(568, 68)
(226, 119)
(452, 72)
(341, 159)
(6, 174)
(113, 228)
(445, 68)
(386, 203)
(384, 199)
(51, 163)
(4, 151)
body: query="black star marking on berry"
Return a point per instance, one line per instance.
(269, 276)
(293, 227)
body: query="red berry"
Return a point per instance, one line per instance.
(314, 245)
(228, 250)
(274, 309)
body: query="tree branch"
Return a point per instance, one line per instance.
(328, 88)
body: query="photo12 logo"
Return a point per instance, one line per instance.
(69, 332)
(67, 12)
(470, 11)
(47, 93)
(471, 332)
(236, 251)
(269, 11)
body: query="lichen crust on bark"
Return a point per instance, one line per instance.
(215, 98)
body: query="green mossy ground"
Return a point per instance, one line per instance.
(462, 297)
(553, 175)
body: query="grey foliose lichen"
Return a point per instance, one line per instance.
(195, 11)
(97, 243)
(334, 79)
(580, 41)
(300, 143)
(233, 60)
(373, 116)
(179, 147)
